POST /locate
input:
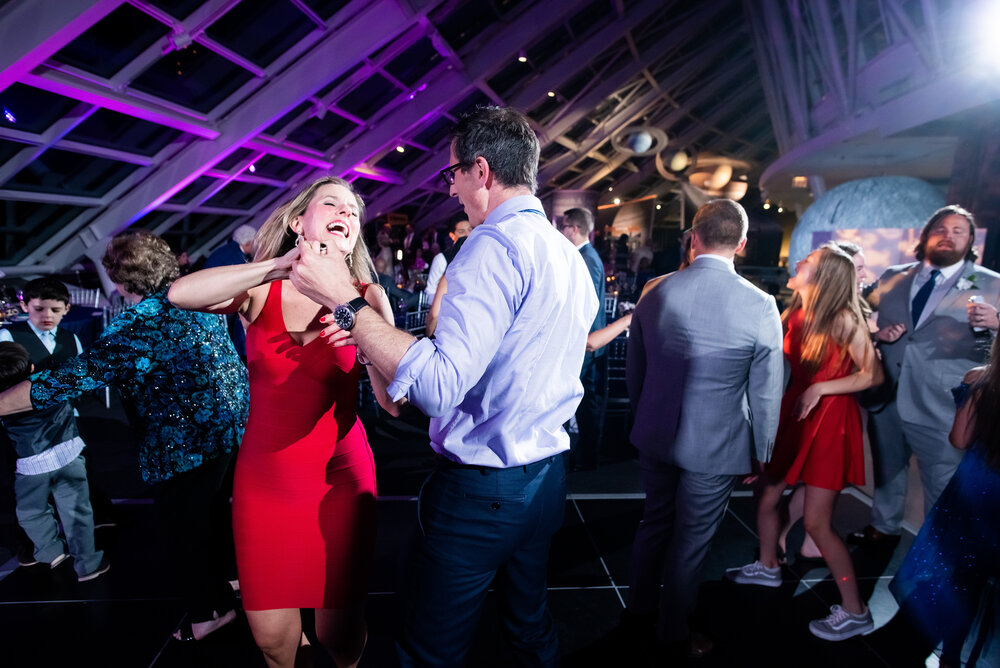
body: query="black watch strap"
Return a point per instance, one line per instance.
(357, 304)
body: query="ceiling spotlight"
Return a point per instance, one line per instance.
(610, 188)
(9, 115)
(522, 57)
(552, 93)
(399, 255)
(767, 205)
(780, 210)
(616, 201)
(252, 168)
(400, 149)
(659, 206)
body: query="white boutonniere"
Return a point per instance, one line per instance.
(967, 283)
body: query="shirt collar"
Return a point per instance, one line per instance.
(582, 245)
(513, 205)
(42, 333)
(717, 258)
(946, 272)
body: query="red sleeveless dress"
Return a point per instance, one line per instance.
(826, 449)
(304, 492)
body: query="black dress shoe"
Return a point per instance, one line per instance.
(873, 538)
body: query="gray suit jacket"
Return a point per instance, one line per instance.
(929, 360)
(705, 370)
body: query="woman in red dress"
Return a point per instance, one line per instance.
(819, 434)
(304, 492)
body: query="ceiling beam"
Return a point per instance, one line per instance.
(428, 169)
(380, 23)
(33, 30)
(60, 83)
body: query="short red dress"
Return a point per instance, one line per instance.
(826, 449)
(304, 491)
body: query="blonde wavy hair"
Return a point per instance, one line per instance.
(275, 237)
(834, 291)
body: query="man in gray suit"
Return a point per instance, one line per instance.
(929, 302)
(705, 375)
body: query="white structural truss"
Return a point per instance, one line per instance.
(863, 88)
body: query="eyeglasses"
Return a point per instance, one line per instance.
(448, 173)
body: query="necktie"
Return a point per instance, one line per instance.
(923, 294)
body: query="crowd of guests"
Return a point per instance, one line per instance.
(518, 328)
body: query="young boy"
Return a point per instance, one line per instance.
(46, 301)
(49, 462)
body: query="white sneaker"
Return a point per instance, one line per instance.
(58, 560)
(841, 625)
(755, 574)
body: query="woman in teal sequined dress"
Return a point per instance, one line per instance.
(946, 572)
(185, 392)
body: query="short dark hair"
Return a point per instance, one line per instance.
(503, 137)
(453, 223)
(720, 223)
(15, 364)
(141, 262)
(952, 209)
(583, 219)
(45, 288)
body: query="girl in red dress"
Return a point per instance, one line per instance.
(304, 492)
(819, 435)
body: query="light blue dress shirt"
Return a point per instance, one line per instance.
(502, 374)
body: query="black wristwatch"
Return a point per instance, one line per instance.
(344, 314)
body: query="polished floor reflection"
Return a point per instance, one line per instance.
(126, 617)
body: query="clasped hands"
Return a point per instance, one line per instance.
(326, 280)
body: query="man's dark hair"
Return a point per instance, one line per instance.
(15, 364)
(504, 138)
(921, 250)
(583, 219)
(45, 288)
(721, 223)
(453, 223)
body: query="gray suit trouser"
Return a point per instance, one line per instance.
(893, 440)
(68, 488)
(683, 510)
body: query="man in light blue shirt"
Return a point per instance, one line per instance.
(499, 380)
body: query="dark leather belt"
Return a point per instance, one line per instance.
(445, 463)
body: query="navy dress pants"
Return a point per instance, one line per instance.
(478, 523)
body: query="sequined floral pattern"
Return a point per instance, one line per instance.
(183, 385)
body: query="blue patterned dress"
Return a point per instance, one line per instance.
(181, 381)
(945, 573)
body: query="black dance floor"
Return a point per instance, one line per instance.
(126, 617)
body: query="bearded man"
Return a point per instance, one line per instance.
(936, 319)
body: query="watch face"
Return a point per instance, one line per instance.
(344, 317)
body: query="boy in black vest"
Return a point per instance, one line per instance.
(49, 462)
(46, 301)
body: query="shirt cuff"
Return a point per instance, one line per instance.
(409, 367)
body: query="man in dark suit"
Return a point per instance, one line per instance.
(576, 225)
(237, 251)
(704, 375)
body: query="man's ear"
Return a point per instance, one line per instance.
(483, 171)
(743, 244)
(24, 307)
(67, 308)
